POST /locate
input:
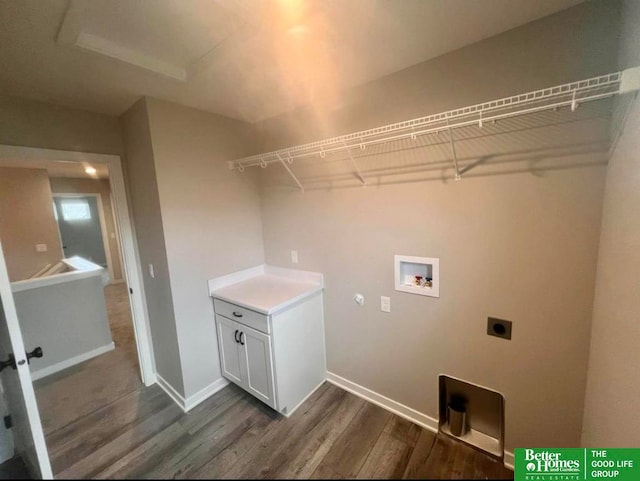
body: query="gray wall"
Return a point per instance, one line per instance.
(611, 406)
(195, 220)
(63, 328)
(211, 219)
(145, 205)
(570, 45)
(31, 123)
(517, 238)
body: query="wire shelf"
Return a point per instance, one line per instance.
(552, 98)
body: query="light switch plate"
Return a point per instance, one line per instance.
(41, 248)
(294, 257)
(385, 304)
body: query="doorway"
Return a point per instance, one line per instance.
(62, 390)
(80, 224)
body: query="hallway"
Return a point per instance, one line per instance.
(70, 394)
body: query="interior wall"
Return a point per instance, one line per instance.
(26, 219)
(611, 405)
(144, 203)
(570, 45)
(211, 219)
(30, 123)
(71, 185)
(517, 238)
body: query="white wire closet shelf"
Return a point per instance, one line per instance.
(552, 98)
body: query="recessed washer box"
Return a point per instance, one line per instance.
(411, 270)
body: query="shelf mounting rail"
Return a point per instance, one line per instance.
(566, 95)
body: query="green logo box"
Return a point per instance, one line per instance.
(576, 464)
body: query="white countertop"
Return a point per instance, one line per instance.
(268, 293)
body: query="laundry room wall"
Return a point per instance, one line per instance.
(613, 390)
(517, 237)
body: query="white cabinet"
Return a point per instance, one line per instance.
(256, 356)
(246, 358)
(277, 356)
(229, 350)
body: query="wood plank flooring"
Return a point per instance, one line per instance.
(14, 469)
(100, 422)
(232, 435)
(85, 387)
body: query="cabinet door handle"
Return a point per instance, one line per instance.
(235, 336)
(237, 314)
(241, 341)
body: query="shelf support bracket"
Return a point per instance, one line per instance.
(453, 152)
(574, 103)
(291, 173)
(355, 166)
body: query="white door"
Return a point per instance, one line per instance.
(229, 349)
(256, 349)
(28, 437)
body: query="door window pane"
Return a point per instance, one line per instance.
(75, 209)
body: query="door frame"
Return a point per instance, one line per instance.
(103, 225)
(130, 257)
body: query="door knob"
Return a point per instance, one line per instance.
(11, 362)
(37, 352)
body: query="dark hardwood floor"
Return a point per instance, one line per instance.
(82, 389)
(14, 469)
(231, 435)
(101, 422)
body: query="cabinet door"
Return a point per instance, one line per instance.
(259, 365)
(230, 352)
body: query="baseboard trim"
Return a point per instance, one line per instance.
(508, 460)
(192, 401)
(203, 394)
(62, 365)
(395, 407)
(305, 398)
(170, 390)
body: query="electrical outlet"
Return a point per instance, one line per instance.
(385, 304)
(151, 272)
(294, 257)
(499, 328)
(41, 248)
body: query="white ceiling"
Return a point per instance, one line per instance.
(246, 59)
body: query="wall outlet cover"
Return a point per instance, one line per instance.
(385, 304)
(499, 328)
